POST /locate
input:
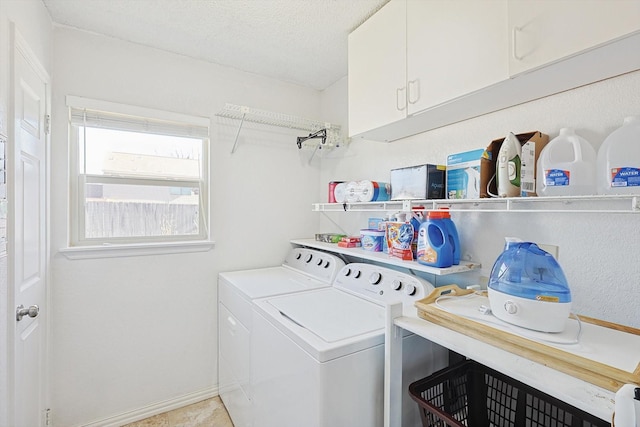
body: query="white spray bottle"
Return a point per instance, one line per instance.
(508, 167)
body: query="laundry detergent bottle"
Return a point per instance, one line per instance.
(566, 166)
(453, 234)
(618, 161)
(434, 244)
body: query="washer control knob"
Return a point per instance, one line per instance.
(327, 264)
(510, 307)
(410, 289)
(308, 258)
(298, 255)
(375, 278)
(320, 261)
(396, 285)
(356, 274)
(346, 272)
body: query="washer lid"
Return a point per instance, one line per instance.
(330, 314)
(263, 282)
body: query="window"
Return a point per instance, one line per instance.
(138, 175)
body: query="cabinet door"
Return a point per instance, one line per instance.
(544, 31)
(377, 69)
(454, 47)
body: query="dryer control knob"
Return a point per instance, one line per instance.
(356, 274)
(396, 285)
(375, 278)
(346, 272)
(320, 261)
(410, 289)
(308, 258)
(510, 307)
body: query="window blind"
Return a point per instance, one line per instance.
(105, 114)
(103, 119)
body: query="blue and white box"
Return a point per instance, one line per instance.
(463, 174)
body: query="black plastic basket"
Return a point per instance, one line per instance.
(473, 395)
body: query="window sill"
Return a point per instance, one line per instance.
(136, 249)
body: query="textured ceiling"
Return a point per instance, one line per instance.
(299, 41)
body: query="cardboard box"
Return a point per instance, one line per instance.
(463, 174)
(532, 144)
(418, 182)
(531, 149)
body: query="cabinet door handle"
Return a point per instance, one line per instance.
(401, 106)
(514, 37)
(415, 83)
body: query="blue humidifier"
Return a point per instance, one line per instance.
(527, 288)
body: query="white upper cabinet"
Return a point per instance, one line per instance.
(454, 48)
(420, 64)
(545, 31)
(377, 69)
(416, 54)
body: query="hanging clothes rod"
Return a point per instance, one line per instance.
(254, 115)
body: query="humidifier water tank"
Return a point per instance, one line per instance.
(528, 288)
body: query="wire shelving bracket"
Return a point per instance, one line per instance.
(330, 132)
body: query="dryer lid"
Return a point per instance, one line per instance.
(330, 314)
(263, 282)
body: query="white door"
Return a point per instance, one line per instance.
(27, 237)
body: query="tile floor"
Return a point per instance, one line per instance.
(208, 413)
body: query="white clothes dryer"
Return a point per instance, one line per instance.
(303, 269)
(318, 356)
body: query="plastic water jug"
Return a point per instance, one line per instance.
(434, 244)
(618, 161)
(453, 235)
(566, 166)
(528, 288)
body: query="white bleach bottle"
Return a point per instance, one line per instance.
(566, 166)
(618, 163)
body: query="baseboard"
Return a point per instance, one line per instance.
(155, 409)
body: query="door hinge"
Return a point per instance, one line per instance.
(47, 417)
(47, 124)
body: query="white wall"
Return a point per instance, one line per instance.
(132, 332)
(598, 252)
(32, 21)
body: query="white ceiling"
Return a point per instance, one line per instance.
(299, 41)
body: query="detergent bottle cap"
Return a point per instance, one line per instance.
(437, 215)
(445, 212)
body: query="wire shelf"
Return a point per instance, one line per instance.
(269, 118)
(573, 204)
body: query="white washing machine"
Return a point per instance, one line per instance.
(302, 270)
(318, 356)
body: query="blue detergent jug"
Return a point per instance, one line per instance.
(453, 235)
(528, 288)
(434, 242)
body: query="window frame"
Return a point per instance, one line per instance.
(77, 241)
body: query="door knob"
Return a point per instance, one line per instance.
(31, 311)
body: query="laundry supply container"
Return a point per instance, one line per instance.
(470, 394)
(435, 247)
(567, 166)
(618, 161)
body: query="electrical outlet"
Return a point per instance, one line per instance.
(552, 249)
